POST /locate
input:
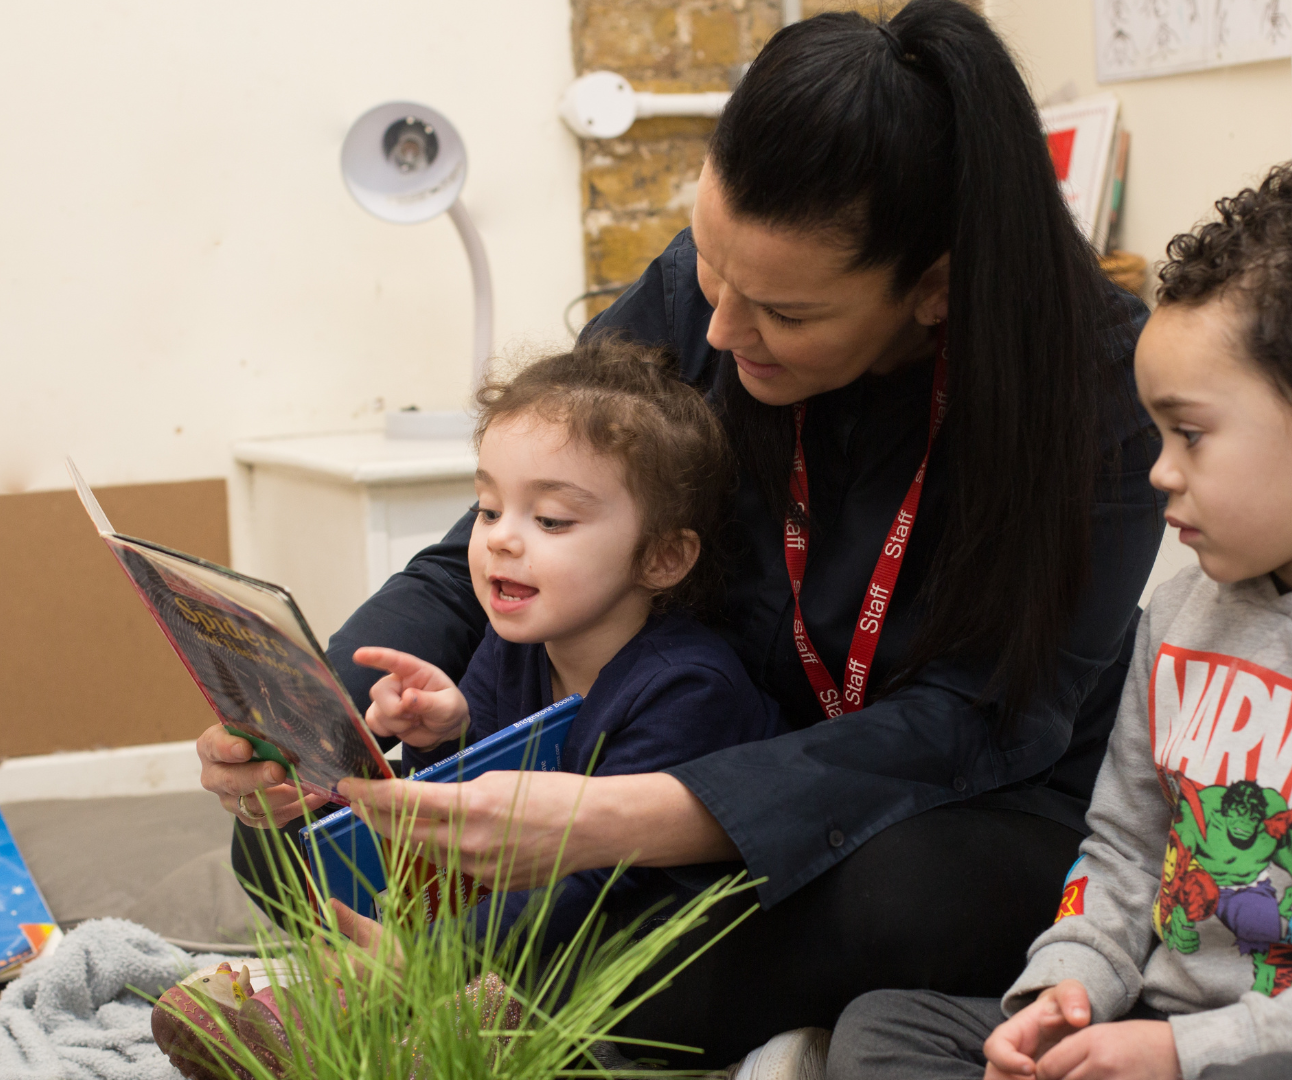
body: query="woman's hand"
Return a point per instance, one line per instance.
(1014, 1048)
(229, 772)
(649, 820)
(416, 701)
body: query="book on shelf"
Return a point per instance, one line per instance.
(1118, 191)
(26, 926)
(1086, 144)
(253, 656)
(345, 855)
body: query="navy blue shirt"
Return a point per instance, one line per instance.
(676, 691)
(797, 804)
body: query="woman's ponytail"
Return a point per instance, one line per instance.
(1027, 309)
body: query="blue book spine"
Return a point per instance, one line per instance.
(25, 921)
(342, 840)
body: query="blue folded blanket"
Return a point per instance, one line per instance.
(74, 1016)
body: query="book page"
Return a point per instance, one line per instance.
(88, 500)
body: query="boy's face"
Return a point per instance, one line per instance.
(1226, 460)
(551, 553)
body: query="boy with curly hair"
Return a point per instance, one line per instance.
(1171, 954)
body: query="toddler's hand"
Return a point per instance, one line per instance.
(416, 701)
(367, 935)
(1014, 1048)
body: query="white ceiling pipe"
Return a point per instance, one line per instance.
(708, 103)
(603, 105)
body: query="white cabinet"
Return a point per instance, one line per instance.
(331, 517)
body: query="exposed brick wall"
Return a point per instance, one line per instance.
(638, 189)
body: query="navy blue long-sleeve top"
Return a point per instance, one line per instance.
(797, 804)
(676, 691)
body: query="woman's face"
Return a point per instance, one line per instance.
(797, 321)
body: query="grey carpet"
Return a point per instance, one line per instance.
(158, 860)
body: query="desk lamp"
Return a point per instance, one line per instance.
(406, 163)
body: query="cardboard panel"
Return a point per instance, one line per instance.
(82, 664)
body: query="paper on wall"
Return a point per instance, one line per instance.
(1139, 39)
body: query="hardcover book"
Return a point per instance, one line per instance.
(253, 656)
(1118, 191)
(343, 852)
(26, 926)
(1082, 136)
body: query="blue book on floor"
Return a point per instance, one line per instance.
(341, 841)
(25, 922)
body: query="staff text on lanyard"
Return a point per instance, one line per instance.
(874, 608)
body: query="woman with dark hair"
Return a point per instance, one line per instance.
(922, 371)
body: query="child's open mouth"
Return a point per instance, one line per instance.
(507, 595)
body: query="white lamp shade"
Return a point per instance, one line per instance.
(412, 194)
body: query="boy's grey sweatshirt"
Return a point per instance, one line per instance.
(1181, 894)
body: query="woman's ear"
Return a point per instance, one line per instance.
(932, 292)
(670, 560)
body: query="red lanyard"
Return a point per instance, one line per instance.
(875, 606)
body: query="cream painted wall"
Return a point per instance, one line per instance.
(181, 264)
(1194, 137)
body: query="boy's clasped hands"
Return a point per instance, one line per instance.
(1053, 1039)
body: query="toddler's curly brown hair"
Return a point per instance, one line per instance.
(1245, 256)
(627, 400)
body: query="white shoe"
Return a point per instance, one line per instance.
(793, 1055)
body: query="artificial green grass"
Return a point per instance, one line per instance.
(433, 1000)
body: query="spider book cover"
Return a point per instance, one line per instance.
(252, 654)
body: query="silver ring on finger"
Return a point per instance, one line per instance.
(245, 811)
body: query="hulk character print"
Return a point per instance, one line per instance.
(1221, 847)
(1221, 730)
